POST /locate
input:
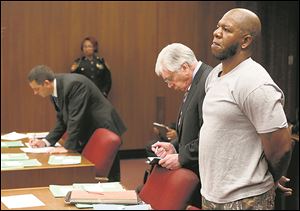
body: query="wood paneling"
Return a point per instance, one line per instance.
(131, 34)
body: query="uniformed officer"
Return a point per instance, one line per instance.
(92, 66)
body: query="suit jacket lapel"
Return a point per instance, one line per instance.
(190, 96)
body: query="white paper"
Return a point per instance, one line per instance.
(20, 201)
(29, 146)
(37, 135)
(13, 136)
(37, 150)
(122, 207)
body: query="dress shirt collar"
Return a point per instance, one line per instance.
(54, 94)
(195, 72)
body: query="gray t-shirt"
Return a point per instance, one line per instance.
(237, 108)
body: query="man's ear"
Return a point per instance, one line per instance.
(246, 42)
(46, 83)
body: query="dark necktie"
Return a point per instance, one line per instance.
(183, 101)
(55, 100)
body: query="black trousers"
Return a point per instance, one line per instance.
(115, 171)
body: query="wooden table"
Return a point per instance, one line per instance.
(43, 194)
(45, 175)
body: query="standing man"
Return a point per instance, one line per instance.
(81, 109)
(179, 68)
(245, 144)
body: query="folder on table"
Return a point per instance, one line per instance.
(119, 197)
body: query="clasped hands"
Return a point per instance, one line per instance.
(168, 154)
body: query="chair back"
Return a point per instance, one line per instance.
(169, 189)
(101, 150)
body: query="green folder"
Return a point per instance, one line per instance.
(6, 144)
(10, 164)
(14, 156)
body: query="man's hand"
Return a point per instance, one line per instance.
(281, 185)
(161, 149)
(170, 162)
(37, 143)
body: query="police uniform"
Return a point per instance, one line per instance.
(96, 70)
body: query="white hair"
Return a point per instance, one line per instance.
(173, 56)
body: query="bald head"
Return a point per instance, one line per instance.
(247, 21)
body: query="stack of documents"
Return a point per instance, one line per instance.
(62, 190)
(117, 197)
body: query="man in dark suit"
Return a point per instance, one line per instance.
(80, 106)
(180, 69)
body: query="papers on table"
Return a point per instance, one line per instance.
(20, 201)
(16, 136)
(121, 207)
(37, 135)
(10, 164)
(37, 150)
(117, 197)
(6, 144)
(63, 160)
(62, 190)
(13, 136)
(14, 156)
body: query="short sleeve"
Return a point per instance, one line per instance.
(264, 108)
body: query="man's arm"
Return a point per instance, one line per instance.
(277, 147)
(57, 131)
(78, 99)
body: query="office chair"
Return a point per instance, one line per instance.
(101, 150)
(169, 189)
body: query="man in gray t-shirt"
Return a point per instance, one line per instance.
(245, 144)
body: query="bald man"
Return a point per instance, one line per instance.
(245, 145)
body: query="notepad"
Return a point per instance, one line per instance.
(120, 197)
(21, 201)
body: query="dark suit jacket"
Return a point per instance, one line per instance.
(187, 140)
(81, 109)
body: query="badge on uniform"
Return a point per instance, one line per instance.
(99, 66)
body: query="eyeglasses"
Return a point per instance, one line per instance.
(169, 79)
